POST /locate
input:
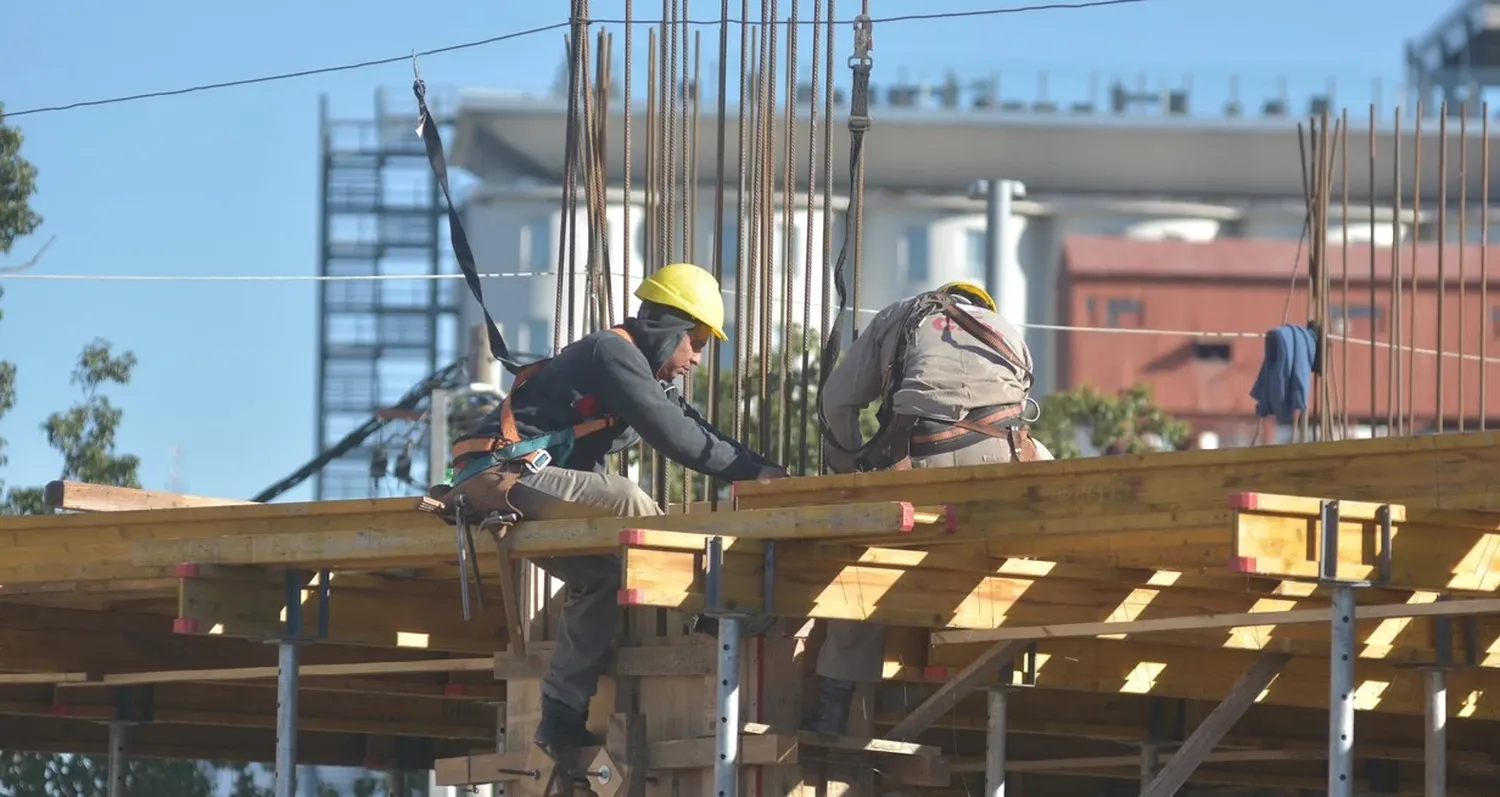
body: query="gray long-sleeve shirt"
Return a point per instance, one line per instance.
(605, 373)
(947, 371)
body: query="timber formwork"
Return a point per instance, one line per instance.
(1315, 616)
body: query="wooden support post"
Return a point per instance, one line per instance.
(1213, 728)
(947, 696)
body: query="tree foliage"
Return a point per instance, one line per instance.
(1127, 423)
(17, 184)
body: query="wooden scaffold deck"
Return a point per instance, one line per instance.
(1243, 617)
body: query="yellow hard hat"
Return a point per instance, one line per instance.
(971, 290)
(690, 289)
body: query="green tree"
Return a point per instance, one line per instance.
(1126, 423)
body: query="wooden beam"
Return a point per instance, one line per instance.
(251, 603)
(1047, 718)
(369, 536)
(49, 640)
(628, 661)
(1201, 622)
(881, 587)
(1206, 736)
(1111, 666)
(85, 497)
(981, 669)
(1280, 536)
(1448, 471)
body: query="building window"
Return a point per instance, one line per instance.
(1495, 322)
(538, 342)
(536, 246)
(978, 263)
(1124, 314)
(914, 253)
(1355, 319)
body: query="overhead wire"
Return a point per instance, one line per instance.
(407, 57)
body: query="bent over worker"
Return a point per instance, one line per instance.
(597, 396)
(953, 377)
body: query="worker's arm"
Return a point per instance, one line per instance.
(716, 432)
(627, 388)
(857, 378)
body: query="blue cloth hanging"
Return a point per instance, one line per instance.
(1285, 378)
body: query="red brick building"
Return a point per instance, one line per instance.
(1245, 286)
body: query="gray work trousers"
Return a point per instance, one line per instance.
(586, 628)
(854, 650)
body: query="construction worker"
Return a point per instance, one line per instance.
(541, 454)
(953, 378)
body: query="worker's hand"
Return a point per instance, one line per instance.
(771, 472)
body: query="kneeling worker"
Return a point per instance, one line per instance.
(542, 455)
(955, 378)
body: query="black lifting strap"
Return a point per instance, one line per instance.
(859, 124)
(428, 132)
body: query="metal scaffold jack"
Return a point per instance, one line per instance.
(287, 673)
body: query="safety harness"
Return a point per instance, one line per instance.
(891, 447)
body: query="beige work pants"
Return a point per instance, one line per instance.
(855, 651)
(586, 628)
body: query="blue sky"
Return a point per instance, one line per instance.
(225, 182)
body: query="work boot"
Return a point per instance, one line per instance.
(835, 697)
(563, 728)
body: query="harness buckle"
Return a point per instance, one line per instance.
(535, 464)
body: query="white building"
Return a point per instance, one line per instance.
(1161, 176)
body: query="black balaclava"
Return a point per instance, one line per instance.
(658, 330)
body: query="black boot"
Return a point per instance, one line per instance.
(563, 728)
(835, 696)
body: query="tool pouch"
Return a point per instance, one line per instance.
(483, 494)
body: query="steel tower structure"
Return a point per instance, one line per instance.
(382, 215)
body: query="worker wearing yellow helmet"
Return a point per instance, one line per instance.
(959, 382)
(541, 455)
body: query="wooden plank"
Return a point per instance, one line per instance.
(359, 540)
(1207, 621)
(256, 608)
(976, 672)
(44, 639)
(1448, 471)
(630, 661)
(1207, 735)
(84, 497)
(1280, 536)
(812, 586)
(1128, 667)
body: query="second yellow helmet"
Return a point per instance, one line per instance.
(971, 290)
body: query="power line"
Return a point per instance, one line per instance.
(1183, 333)
(1082, 4)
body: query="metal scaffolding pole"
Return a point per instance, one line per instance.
(1341, 658)
(727, 734)
(117, 759)
(286, 717)
(994, 753)
(1435, 757)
